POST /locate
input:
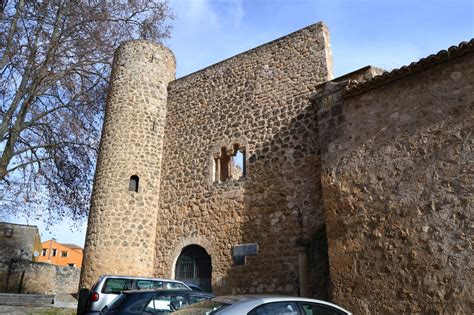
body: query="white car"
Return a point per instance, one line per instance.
(262, 305)
(108, 287)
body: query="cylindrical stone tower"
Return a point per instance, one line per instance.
(122, 219)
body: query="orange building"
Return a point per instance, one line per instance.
(61, 254)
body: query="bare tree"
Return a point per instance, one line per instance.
(55, 58)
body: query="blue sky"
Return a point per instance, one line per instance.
(382, 33)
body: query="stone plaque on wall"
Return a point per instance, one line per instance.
(246, 249)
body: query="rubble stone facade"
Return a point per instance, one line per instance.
(260, 101)
(398, 174)
(122, 222)
(321, 173)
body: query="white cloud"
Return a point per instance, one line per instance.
(237, 12)
(211, 15)
(192, 15)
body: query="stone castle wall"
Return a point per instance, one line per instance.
(259, 100)
(378, 175)
(122, 223)
(397, 185)
(24, 276)
(18, 241)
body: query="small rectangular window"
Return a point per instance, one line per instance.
(44, 251)
(64, 253)
(8, 232)
(71, 265)
(133, 183)
(54, 251)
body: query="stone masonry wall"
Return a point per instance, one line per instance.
(397, 185)
(122, 223)
(38, 278)
(258, 99)
(19, 241)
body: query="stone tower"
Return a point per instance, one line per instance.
(123, 216)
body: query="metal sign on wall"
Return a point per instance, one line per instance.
(250, 249)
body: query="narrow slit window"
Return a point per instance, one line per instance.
(133, 185)
(238, 161)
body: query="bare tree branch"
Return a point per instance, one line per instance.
(55, 59)
(23, 165)
(11, 33)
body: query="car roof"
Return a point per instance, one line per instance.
(251, 301)
(139, 278)
(167, 291)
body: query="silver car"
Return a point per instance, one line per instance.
(106, 289)
(262, 305)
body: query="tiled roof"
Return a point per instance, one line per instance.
(72, 245)
(424, 63)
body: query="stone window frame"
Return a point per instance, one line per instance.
(193, 240)
(231, 147)
(44, 252)
(64, 253)
(54, 251)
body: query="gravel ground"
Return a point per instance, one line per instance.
(25, 310)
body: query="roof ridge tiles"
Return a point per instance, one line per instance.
(414, 67)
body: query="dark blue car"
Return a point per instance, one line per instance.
(160, 302)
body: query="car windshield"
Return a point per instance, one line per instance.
(208, 307)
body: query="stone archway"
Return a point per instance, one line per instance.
(194, 265)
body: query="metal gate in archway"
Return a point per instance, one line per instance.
(194, 265)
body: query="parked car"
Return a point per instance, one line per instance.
(262, 305)
(106, 289)
(194, 286)
(160, 302)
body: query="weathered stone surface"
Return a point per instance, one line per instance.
(19, 241)
(122, 223)
(387, 166)
(397, 185)
(32, 277)
(258, 99)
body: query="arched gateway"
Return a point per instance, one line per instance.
(194, 265)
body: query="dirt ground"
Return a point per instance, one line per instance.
(25, 310)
